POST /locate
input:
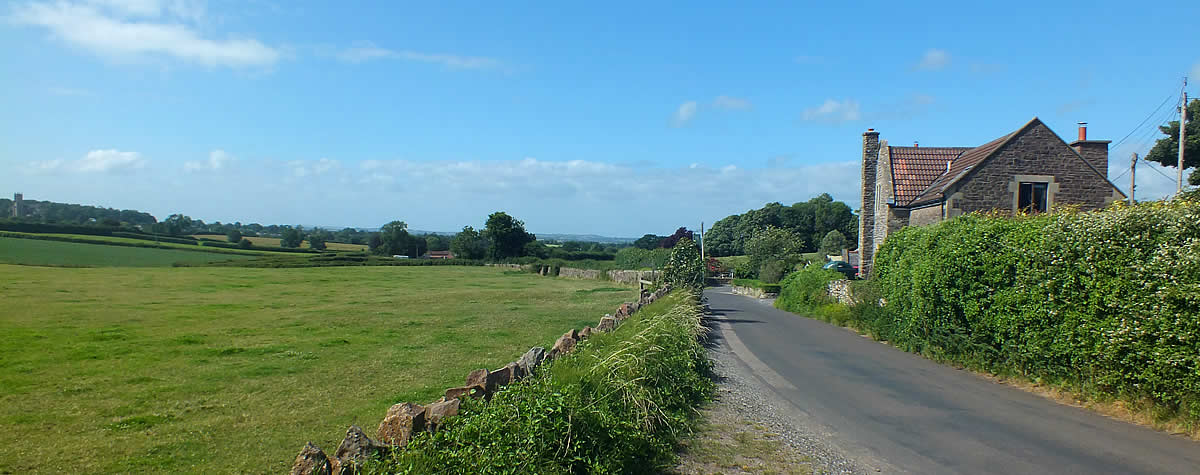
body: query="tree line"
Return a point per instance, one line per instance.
(810, 221)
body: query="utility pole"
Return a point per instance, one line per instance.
(1132, 175)
(702, 242)
(1182, 135)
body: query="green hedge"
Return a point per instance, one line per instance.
(758, 284)
(619, 403)
(99, 241)
(159, 238)
(331, 259)
(806, 290)
(1107, 300)
(25, 227)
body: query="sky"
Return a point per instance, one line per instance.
(609, 118)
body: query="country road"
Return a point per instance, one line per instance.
(896, 412)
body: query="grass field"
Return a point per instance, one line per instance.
(233, 370)
(55, 253)
(88, 239)
(274, 242)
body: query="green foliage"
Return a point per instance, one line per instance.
(469, 244)
(1108, 300)
(649, 241)
(63, 213)
(778, 247)
(245, 243)
(291, 237)
(806, 290)
(1166, 149)
(684, 268)
(639, 258)
(317, 239)
(536, 249)
(670, 241)
(506, 235)
(772, 271)
(233, 236)
(811, 220)
(833, 243)
(757, 284)
(617, 404)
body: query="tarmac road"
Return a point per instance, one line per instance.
(899, 413)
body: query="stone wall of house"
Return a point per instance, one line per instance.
(1034, 155)
(404, 420)
(884, 194)
(925, 216)
(866, 221)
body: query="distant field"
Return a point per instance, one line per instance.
(55, 253)
(140, 242)
(221, 370)
(274, 242)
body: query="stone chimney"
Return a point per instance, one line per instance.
(1094, 151)
(866, 216)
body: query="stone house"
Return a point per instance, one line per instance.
(1029, 170)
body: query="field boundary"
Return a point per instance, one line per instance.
(405, 420)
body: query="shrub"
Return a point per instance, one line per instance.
(1107, 300)
(805, 290)
(684, 268)
(244, 243)
(757, 284)
(772, 272)
(618, 404)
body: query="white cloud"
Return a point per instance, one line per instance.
(112, 160)
(934, 60)
(685, 113)
(726, 102)
(369, 51)
(834, 111)
(96, 161)
(306, 168)
(136, 29)
(217, 160)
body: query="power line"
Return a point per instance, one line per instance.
(1139, 126)
(1147, 162)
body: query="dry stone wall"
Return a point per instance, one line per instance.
(402, 421)
(753, 292)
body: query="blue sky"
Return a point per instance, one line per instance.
(610, 118)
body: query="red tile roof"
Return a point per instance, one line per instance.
(964, 164)
(915, 168)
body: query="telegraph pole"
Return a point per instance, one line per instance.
(702, 242)
(1182, 135)
(1132, 175)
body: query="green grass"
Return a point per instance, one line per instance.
(234, 369)
(55, 253)
(121, 241)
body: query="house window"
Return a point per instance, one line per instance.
(1031, 197)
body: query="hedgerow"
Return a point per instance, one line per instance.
(757, 284)
(617, 404)
(1106, 300)
(805, 290)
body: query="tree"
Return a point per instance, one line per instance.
(245, 243)
(233, 235)
(317, 239)
(670, 241)
(536, 249)
(469, 244)
(177, 224)
(774, 245)
(833, 243)
(684, 268)
(1166, 149)
(507, 236)
(395, 240)
(291, 237)
(437, 243)
(649, 241)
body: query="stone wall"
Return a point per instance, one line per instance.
(840, 291)
(925, 216)
(404, 420)
(753, 292)
(1039, 154)
(574, 273)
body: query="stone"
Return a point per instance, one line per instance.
(355, 449)
(531, 360)
(477, 378)
(437, 412)
(500, 378)
(401, 422)
(607, 324)
(624, 311)
(475, 391)
(311, 461)
(586, 333)
(565, 344)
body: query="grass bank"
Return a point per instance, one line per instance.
(224, 369)
(33, 252)
(618, 404)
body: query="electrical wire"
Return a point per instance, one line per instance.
(1143, 122)
(1156, 170)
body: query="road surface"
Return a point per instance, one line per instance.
(899, 413)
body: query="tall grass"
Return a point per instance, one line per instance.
(618, 404)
